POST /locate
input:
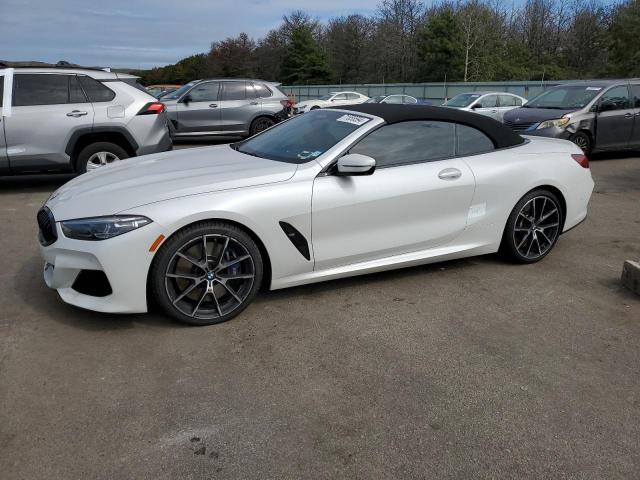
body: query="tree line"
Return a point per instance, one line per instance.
(409, 41)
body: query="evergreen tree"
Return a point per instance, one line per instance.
(441, 49)
(304, 63)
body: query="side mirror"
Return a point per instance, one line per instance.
(476, 105)
(356, 164)
(606, 106)
(186, 99)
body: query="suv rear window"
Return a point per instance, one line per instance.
(95, 90)
(46, 89)
(262, 91)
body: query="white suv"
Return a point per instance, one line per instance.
(75, 119)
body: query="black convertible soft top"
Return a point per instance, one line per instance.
(502, 136)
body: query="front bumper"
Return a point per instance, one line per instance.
(125, 260)
(563, 133)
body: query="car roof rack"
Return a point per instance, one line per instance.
(61, 65)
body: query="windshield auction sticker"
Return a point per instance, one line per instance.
(353, 119)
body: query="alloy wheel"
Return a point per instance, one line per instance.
(581, 142)
(262, 124)
(537, 227)
(100, 159)
(209, 276)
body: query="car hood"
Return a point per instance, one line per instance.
(153, 178)
(534, 115)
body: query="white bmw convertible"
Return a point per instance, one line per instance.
(329, 194)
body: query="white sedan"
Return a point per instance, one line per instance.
(333, 99)
(329, 194)
(491, 104)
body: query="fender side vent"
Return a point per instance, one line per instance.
(297, 239)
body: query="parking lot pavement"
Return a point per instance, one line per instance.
(465, 369)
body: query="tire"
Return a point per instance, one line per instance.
(583, 140)
(528, 241)
(195, 295)
(90, 155)
(260, 124)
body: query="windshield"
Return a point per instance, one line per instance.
(179, 92)
(462, 100)
(303, 138)
(377, 99)
(564, 98)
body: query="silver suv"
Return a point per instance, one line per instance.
(227, 107)
(71, 119)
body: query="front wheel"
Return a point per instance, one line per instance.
(206, 273)
(582, 140)
(533, 227)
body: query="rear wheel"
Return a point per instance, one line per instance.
(99, 154)
(533, 227)
(582, 140)
(260, 124)
(206, 273)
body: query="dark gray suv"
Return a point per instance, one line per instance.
(595, 115)
(228, 107)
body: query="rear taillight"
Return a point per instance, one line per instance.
(582, 159)
(152, 108)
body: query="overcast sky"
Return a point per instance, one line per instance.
(142, 33)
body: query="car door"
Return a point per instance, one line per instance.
(615, 119)
(339, 99)
(417, 198)
(46, 109)
(487, 105)
(4, 161)
(506, 103)
(198, 111)
(238, 106)
(634, 142)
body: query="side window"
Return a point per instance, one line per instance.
(490, 101)
(507, 101)
(205, 92)
(397, 99)
(353, 96)
(340, 97)
(234, 91)
(518, 101)
(34, 89)
(408, 142)
(470, 141)
(615, 99)
(406, 99)
(76, 95)
(635, 90)
(262, 91)
(96, 91)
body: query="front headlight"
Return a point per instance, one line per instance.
(101, 228)
(559, 122)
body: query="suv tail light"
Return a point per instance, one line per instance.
(582, 159)
(152, 108)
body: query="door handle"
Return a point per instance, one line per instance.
(450, 174)
(213, 105)
(628, 115)
(494, 111)
(254, 103)
(76, 113)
